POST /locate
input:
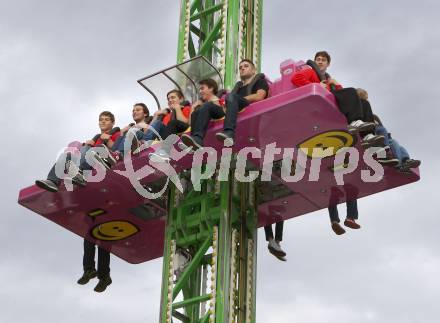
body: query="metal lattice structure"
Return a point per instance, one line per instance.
(224, 32)
(215, 229)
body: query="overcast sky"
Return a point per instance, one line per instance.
(62, 62)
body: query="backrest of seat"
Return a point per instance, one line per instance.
(283, 84)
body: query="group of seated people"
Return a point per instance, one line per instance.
(354, 105)
(168, 123)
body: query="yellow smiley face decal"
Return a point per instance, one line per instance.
(326, 144)
(114, 230)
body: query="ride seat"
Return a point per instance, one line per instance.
(283, 84)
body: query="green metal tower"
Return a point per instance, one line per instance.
(216, 227)
(224, 32)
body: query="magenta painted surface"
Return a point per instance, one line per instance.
(289, 117)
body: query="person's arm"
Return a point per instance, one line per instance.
(261, 89)
(159, 113)
(335, 83)
(179, 114)
(303, 77)
(124, 130)
(111, 140)
(260, 95)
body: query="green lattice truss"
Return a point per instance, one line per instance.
(216, 228)
(225, 32)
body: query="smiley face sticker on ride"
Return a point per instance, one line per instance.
(326, 144)
(114, 230)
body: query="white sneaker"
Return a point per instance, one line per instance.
(360, 126)
(371, 140)
(275, 249)
(185, 148)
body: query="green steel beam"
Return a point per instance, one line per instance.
(191, 301)
(191, 267)
(213, 35)
(207, 12)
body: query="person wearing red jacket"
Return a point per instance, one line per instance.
(168, 124)
(348, 100)
(107, 137)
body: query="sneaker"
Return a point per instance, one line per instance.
(226, 138)
(112, 157)
(190, 141)
(47, 185)
(159, 156)
(351, 223)
(88, 274)
(360, 126)
(389, 162)
(411, 163)
(101, 160)
(184, 147)
(389, 159)
(102, 284)
(337, 228)
(275, 248)
(371, 140)
(79, 179)
(281, 258)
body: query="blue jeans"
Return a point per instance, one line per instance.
(82, 165)
(150, 134)
(352, 211)
(120, 142)
(398, 151)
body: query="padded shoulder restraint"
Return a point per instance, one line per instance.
(249, 87)
(322, 77)
(113, 131)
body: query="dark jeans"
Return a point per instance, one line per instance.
(278, 231)
(200, 119)
(120, 142)
(352, 211)
(89, 259)
(173, 127)
(349, 104)
(234, 104)
(367, 113)
(82, 164)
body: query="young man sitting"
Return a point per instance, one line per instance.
(348, 100)
(141, 117)
(175, 120)
(108, 136)
(252, 87)
(206, 108)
